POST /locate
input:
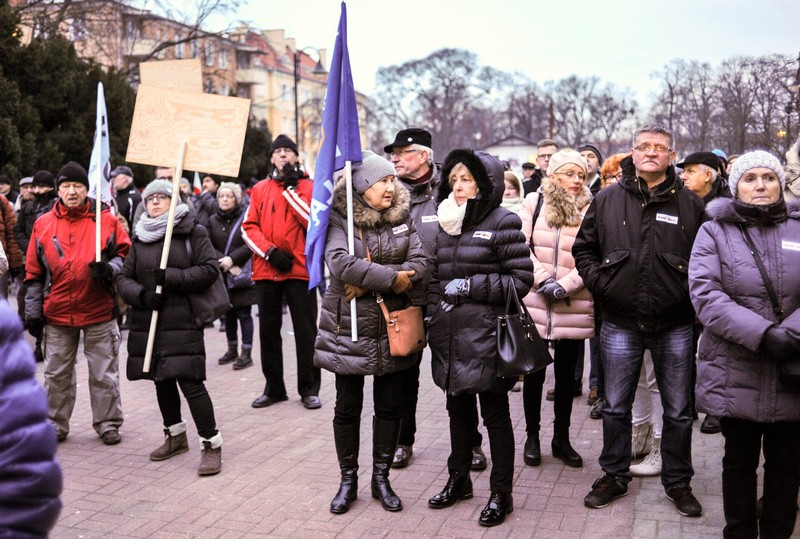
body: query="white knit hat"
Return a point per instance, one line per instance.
(234, 188)
(756, 159)
(566, 157)
(370, 170)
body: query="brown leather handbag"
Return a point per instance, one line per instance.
(405, 329)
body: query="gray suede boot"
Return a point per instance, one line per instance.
(175, 442)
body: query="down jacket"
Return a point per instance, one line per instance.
(179, 350)
(554, 233)
(733, 378)
(219, 228)
(633, 248)
(393, 246)
(30, 476)
(491, 252)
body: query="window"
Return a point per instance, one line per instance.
(223, 58)
(131, 29)
(208, 86)
(77, 29)
(179, 46)
(286, 94)
(223, 89)
(209, 54)
(195, 49)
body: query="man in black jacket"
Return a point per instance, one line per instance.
(632, 252)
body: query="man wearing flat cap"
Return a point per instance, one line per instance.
(701, 175)
(128, 197)
(594, 160)
(274, 228)
(70, 293)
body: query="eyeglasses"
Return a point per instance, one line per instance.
(571, 174)
(399, 153)
(158, 197)
(544, 156)
(647, 148)
(609, 177)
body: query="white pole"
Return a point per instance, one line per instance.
(176, 193)
(348, 174)
(97, 229)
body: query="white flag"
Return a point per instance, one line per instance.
(100, 164)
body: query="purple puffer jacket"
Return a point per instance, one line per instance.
(30, 476)
(728, 293)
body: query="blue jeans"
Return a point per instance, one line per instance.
(622, 351)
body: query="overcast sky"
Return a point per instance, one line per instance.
(619, 41)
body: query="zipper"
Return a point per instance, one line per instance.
(58, 247)
(549, 331)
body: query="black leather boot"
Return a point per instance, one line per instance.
(458, 487)
(346, 438)
(384, 442)
(231, 355)
(563, 451)
(500, 504)
(532, 453)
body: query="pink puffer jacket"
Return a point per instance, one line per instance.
(553, 235)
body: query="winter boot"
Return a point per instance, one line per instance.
(175, 442)
(384, 442)
(231, 355)
(211, 455)
(347, 442)
(244, 360)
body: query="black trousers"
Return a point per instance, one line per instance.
(386, 392)
(200, 406)
(463, 425)
(743, 445)
(303, 309)
(567, 353)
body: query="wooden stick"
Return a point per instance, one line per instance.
(173, 204)
(348, 175)
(97, 228)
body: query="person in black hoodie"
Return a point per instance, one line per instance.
(480, 254)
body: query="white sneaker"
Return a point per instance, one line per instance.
(650, 466)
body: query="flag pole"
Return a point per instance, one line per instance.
(97, 228)
(173, 204)
(348, 174)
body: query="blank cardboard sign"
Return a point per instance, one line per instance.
(212, 126)
(183, 75)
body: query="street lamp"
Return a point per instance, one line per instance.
(319, 69)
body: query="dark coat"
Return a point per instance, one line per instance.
(423, 215)
(733, 378)
(128, 201)
(178, 351)
(393, 246)
(30, 476)
(30, 211)
(633, 250)
(219, 228)
(492, 253)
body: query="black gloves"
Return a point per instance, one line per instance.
(159, 276)
(35, 327)
(101, 271)
(290, 176)
(281, 260)
(151, 300)
(779, 344)
(552, 292)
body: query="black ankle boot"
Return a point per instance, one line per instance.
(500, 504)
(563, 451)
(384, 443)
(231, 355)
(347, 441)
(458, 487)
(532, 455)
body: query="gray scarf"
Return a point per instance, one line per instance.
(150, 229)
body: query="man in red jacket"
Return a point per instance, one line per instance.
(69, 293)
(274, 228)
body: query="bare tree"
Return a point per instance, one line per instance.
(572, 99)
(609, 110)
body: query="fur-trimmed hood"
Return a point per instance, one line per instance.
(724, 210)
(488, 173)
(561, 208)
(365, 215)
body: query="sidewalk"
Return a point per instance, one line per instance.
(280, 472)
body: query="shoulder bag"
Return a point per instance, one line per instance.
(245, 278)
(520, 349)
(210, 304)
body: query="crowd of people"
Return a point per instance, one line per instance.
(680, 274)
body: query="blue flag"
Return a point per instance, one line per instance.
(341, 142)
(100, 163)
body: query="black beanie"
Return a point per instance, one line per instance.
(72, 172)
(43, 177)
(282, 141)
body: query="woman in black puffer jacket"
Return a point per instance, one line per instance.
(480, 253)
(387, 260)
(179, 353)
(227, 220)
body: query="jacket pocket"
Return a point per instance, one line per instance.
(678, 263)
(609, 267)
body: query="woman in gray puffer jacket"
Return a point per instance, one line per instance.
(387, 260)
(747, 342)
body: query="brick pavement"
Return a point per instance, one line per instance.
(280, 473)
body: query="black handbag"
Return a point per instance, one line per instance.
(245, 278)
(209, 304)
(520, 349)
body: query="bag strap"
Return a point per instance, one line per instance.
(233, 231)
(539, 201)
(378, 297)
(773, 297)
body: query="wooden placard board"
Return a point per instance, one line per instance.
(183, 75)
(213, 127)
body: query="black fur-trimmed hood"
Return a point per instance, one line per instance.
(725, 210)
(488, 173)
(365, 215)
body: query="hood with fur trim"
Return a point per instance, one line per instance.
(562, 209)
(725, 210)
(488, 173)
(365, 215)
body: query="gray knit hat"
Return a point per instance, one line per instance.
(370, 170)
(566, 157)
(163, 187)
(756, 159)
(235, 188)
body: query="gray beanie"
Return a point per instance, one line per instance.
(370, 170)
(163, 187)
(566, 157)
(756, 159)
(235, 188)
